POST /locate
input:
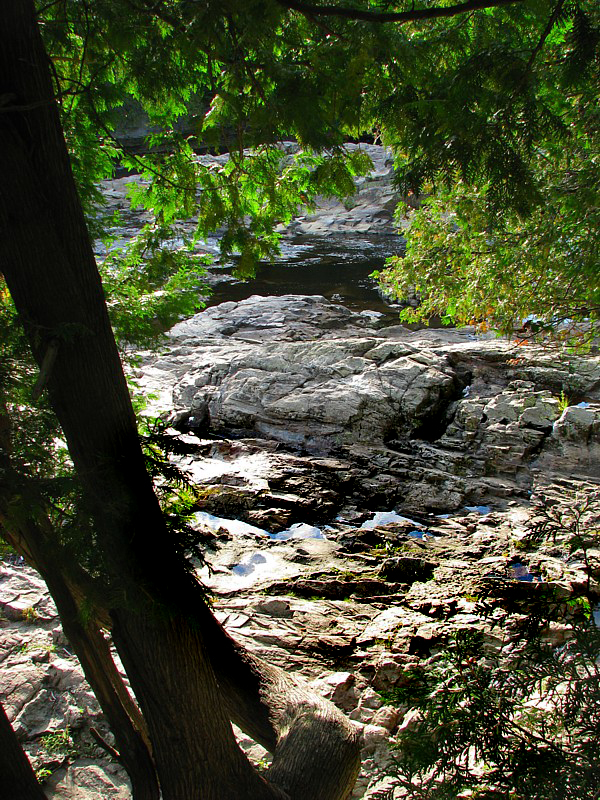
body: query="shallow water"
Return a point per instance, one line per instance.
(299, 530)
(235, 526)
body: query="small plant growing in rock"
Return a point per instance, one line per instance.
(58, 743)
(58, 748)
(564, 401)
(263, 764)
(42, 774)
(29, 647)
(30, 615)
(519, 544)
(6, 551)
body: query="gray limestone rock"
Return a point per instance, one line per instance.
(421, 422)
(425, 420)
(574, 443)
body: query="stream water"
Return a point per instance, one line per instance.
(337, 267)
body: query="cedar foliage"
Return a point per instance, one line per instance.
(508, 229)
(467, 99)
(521, 718)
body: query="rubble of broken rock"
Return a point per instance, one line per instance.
(353, 610)
(359, 488)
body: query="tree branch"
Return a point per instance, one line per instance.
(396, 16)
(545, 33)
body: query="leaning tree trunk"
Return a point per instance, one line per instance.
(34, 539)
(17, 778)
(48, 263)
(167, 638)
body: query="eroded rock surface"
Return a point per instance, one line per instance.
(369, 211)
(354, 649)
(421, 420)
(305, 425)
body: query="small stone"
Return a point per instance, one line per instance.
(411, 720)
(370, 699)
(64, 675)
(274, 608)
(362, 715)
(89, 781)
(337, 687)
(58, 637)
(374, 736)
(386, 717)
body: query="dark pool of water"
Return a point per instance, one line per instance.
(337, 267)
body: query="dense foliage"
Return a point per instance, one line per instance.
(494, 107)
(493, 100)
(516, 716)
(491, 113)
(496, 104)
(509, 234)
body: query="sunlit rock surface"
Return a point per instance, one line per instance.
(352, 649)
(420, 420)
(362, 484)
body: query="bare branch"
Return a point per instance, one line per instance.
(413, 15)
(545, 33)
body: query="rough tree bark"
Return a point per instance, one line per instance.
(188, 676)
(17, 778)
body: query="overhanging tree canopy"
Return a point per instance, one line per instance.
(494, 99)
(265, 71)
(511, 229)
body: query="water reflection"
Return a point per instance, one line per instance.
(337, 267)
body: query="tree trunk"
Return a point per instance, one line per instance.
(17, 778)
(48, 263)
(34, 540)
(165, 634)
(316, 749)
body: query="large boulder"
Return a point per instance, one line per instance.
(421, 419)
(320, 394)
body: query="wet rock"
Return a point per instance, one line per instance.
(343, 419)
(373, 648)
